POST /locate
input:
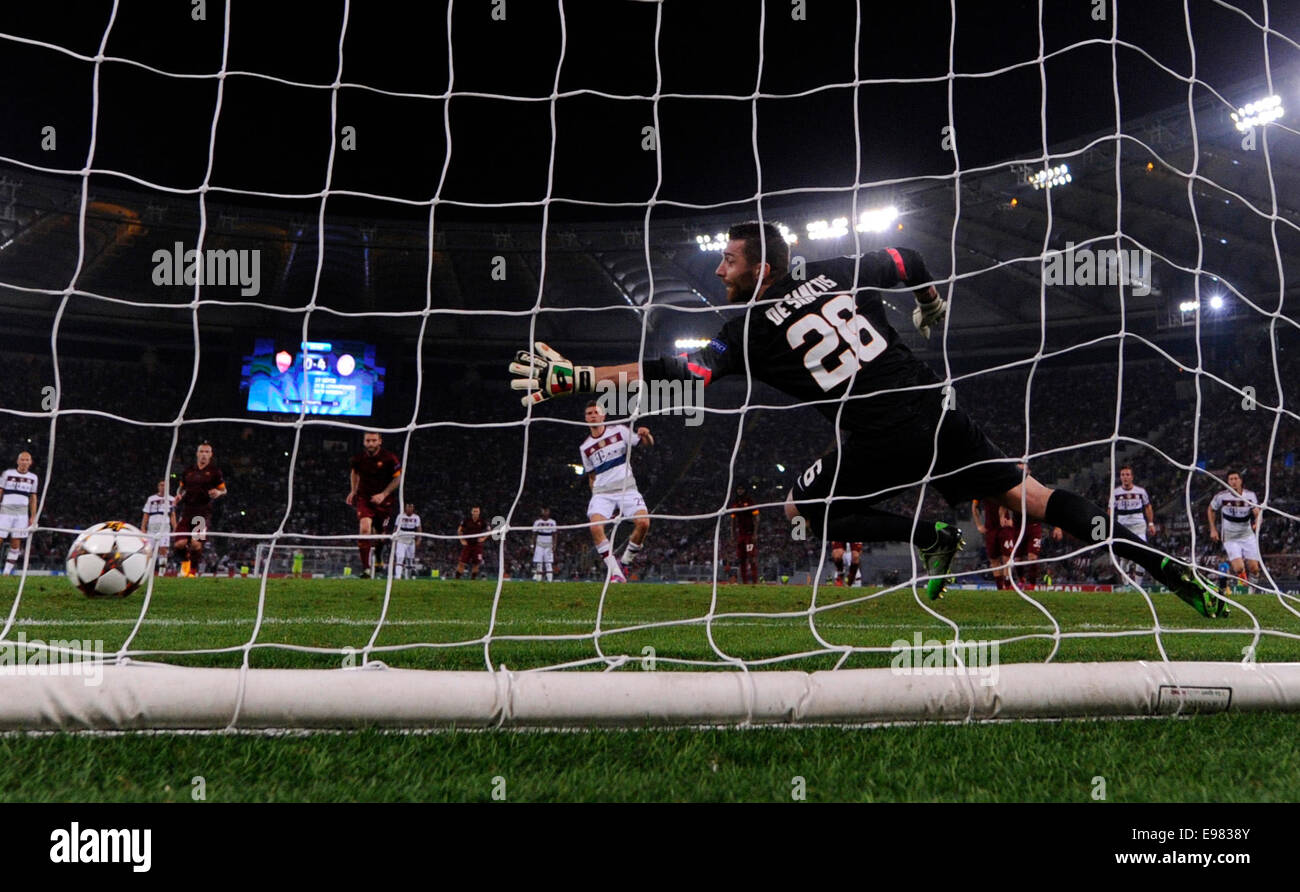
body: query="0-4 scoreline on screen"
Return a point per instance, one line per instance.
(319, 377)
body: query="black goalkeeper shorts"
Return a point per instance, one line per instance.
(878, 466)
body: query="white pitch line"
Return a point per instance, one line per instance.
(609, 627)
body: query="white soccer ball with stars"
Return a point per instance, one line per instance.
(109, 560)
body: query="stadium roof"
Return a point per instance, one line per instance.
(1186, 187)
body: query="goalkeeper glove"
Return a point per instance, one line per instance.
(929, 312)
(546, 374)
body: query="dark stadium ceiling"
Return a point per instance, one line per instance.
(1189, 189)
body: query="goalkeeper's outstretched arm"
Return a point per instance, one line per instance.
(545, 374)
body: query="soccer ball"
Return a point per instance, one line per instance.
(109, 560)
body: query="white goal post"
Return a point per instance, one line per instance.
(140, 697)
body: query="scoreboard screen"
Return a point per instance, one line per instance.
(320, 377)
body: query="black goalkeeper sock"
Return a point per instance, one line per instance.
(1078, 517)
(871, 525)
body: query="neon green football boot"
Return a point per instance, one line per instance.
(1198, 594)
(938, 558)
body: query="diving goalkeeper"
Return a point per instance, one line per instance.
(824, 339)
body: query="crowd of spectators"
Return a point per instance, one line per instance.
(116, 428)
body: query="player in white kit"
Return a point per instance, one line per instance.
(404, 541)
(17, 508)
(158, 521)
(1239, 530)
(606, 455)
(544, 546)
(1131, 507)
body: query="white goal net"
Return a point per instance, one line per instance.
(209, 236)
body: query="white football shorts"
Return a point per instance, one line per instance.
(627, 503)
(1138, 529)
(13, 524)
(1242, 548)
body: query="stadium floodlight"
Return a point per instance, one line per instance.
(780, 467)
(715, 242)
(1051, 176)
(1261, 111)
(1216, 302)
(718, 240)
(691, 343)
(837, 228)
(1188, 306)
(877, 219)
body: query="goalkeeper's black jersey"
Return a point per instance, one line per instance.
(821, 339)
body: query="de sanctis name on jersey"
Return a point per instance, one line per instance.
(801, 296)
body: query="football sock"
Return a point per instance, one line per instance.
(549, 573)
(630, 553)
(11, 560)
(364, 548)
(607, 555)
(1076, 515)
(852, 575)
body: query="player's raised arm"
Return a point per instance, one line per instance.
(891, 267)
(546, 374)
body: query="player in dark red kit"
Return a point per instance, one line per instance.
(999, 528)
(201, 485)
(1026, 555)
(837, 561)
(471, 532)
(820, 334)
(376, 473)
(744, 523)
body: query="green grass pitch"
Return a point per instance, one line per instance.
(1205, 758)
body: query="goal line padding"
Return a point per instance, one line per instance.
(144, 697)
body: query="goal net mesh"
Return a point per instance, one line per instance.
(1120, 275)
